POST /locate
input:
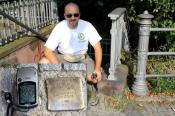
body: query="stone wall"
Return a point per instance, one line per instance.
(27, 49)
(30, 53)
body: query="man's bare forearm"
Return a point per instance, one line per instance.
(98, 56)
(50, 55)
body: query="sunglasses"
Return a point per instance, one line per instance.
(70, 15)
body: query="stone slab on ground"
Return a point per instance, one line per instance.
(114, 87)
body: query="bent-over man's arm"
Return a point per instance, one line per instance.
(98, 56)
(98, 60)
(50, 55)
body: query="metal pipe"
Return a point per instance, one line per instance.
(162, 29)
(161, 53)
(159, 75)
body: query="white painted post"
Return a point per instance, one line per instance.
(116, 40)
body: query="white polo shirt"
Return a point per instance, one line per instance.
(72, 41)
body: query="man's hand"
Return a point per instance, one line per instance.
(95, 77)
(98, 60)
(50, 55)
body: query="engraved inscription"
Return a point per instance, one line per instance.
(65, 93)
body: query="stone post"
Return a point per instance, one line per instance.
(116, 16)
(140, 85)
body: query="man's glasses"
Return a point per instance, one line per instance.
(70, 15)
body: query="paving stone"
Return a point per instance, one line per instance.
(162, 108)
(100, 112)
(154, 108)
(170, 114)
(162, 113)
(167, 107)
(148, 109)
(122, 114)
(144, 113)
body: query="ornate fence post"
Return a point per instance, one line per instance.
(140, 86)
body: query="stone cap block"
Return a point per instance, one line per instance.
(50, 67)
(74, 66)
(63, 67)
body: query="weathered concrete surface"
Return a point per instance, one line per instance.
(7, 80)
(105, 105)
(98, 102)
(115, 87)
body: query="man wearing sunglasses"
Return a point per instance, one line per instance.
(71, 37)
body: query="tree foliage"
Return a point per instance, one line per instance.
(164, 17)
(96, 11)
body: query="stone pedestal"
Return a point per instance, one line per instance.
(7, 83)
(115, 87)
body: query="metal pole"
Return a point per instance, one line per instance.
(140, 86)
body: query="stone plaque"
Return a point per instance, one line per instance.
(65, 93)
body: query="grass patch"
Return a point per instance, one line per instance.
(161, 66)
(114, 103)
(155, 65)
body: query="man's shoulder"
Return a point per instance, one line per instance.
(63, 22)
(85, 23)
(60, 24)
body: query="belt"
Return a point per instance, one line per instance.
(74, 58)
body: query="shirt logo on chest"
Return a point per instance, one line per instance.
(81, 37)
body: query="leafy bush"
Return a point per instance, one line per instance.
(164, 17)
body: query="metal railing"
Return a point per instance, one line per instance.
(34, 14)
(106, 44)
(119, 39)
(140, 86)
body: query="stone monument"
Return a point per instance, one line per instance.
(62, 90)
